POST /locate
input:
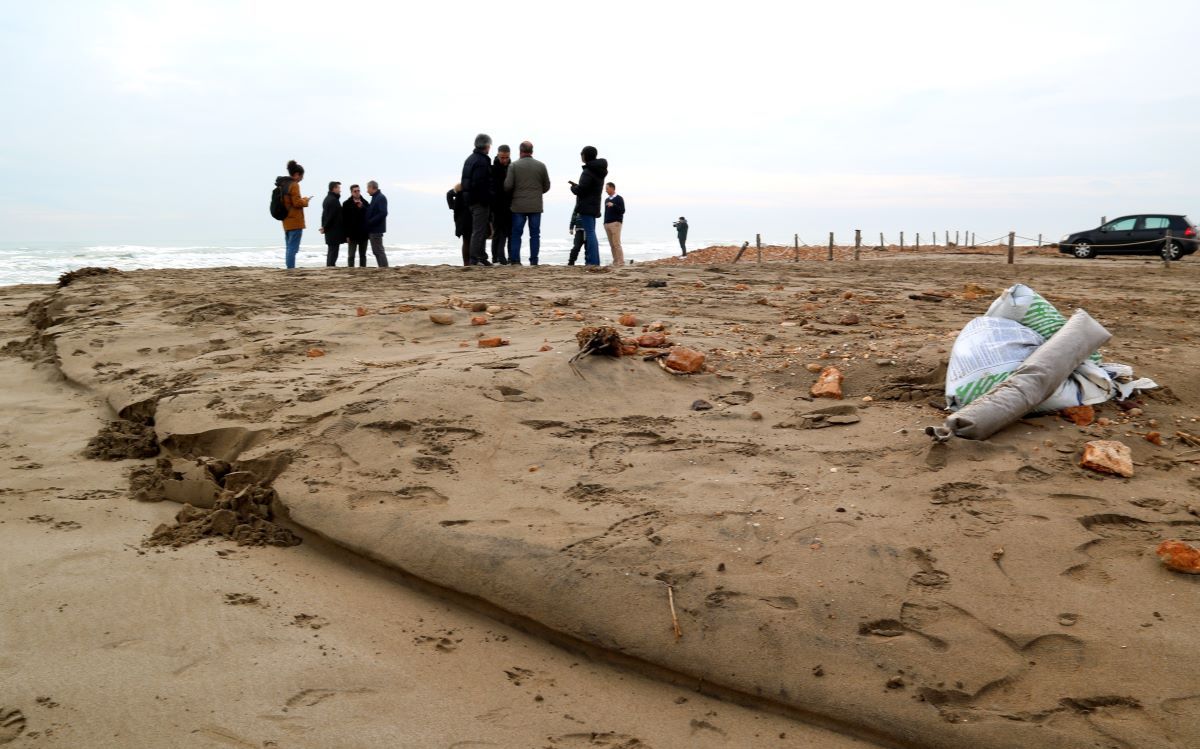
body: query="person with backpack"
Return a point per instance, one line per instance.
(587, 200)
(331, 223)
(457, 202)
(354, 224)
(288, 206)
(377, 223)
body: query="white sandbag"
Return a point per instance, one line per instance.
(1041, 376)
(989, 349)
(1024, 305)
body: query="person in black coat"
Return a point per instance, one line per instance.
(354, 226)
(477, 187)
(681, 228)
(502, 217)
(462, 220)
(576, 230)
(587, 200)
(331, 223)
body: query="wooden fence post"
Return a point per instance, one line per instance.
(957, 240)
(947, 239)
(1039, 239)
(857, 242)
(918, 241)
(758, 242)
(972, 239)
(881, 244)
(831, 245)
(1165, 256)
(1012, 238)
(902, 241)
(796, 257)
(741, 251)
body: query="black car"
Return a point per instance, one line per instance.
(1143, 234)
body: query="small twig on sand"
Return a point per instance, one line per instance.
(674, 618)
(1190, 439)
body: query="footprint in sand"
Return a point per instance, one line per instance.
(444, 641)
(1124, 539)
(978, 508)
(605, 740)
(12, 724)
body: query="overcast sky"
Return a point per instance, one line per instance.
(168, 121)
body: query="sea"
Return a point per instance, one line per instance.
(44, 262)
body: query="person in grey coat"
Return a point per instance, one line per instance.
(528, 181)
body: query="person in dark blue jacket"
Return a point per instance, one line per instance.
(477, 187)
(614, 217)
(377, 213)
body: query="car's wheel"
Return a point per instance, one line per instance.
(1171, 250)
(1083, 250)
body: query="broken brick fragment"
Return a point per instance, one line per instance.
(1108, 456)
(828, 384)
(685, 360)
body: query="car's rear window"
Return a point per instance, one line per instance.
(1156, 222)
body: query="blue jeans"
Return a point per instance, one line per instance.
(591, 245)
(535, 237)
(291, 244)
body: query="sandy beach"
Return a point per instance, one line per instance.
(496, 546)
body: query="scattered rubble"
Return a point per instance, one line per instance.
(1108, 456)
(685, 360)
(828, 384)
(1179, 556)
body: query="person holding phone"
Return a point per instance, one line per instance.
(587, 200)
(293, 224)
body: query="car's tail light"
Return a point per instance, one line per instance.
(1189, 232)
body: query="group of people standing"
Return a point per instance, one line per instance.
(356, 223)
(494, 199)
(498, 199)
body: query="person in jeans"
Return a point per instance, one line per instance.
(587, 200)
(331, 223)
(614, 217)
(477, 187)
(501, 206)
(528, 181)
(354, 224)
(681, 227)
(577, 230)
(377, 223)
(293, 224)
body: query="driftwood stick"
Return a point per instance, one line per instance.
(674, 618)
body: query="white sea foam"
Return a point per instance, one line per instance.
(43, 263)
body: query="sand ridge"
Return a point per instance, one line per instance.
(990, 594)
(111, 644)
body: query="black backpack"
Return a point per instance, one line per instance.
(278, 211)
